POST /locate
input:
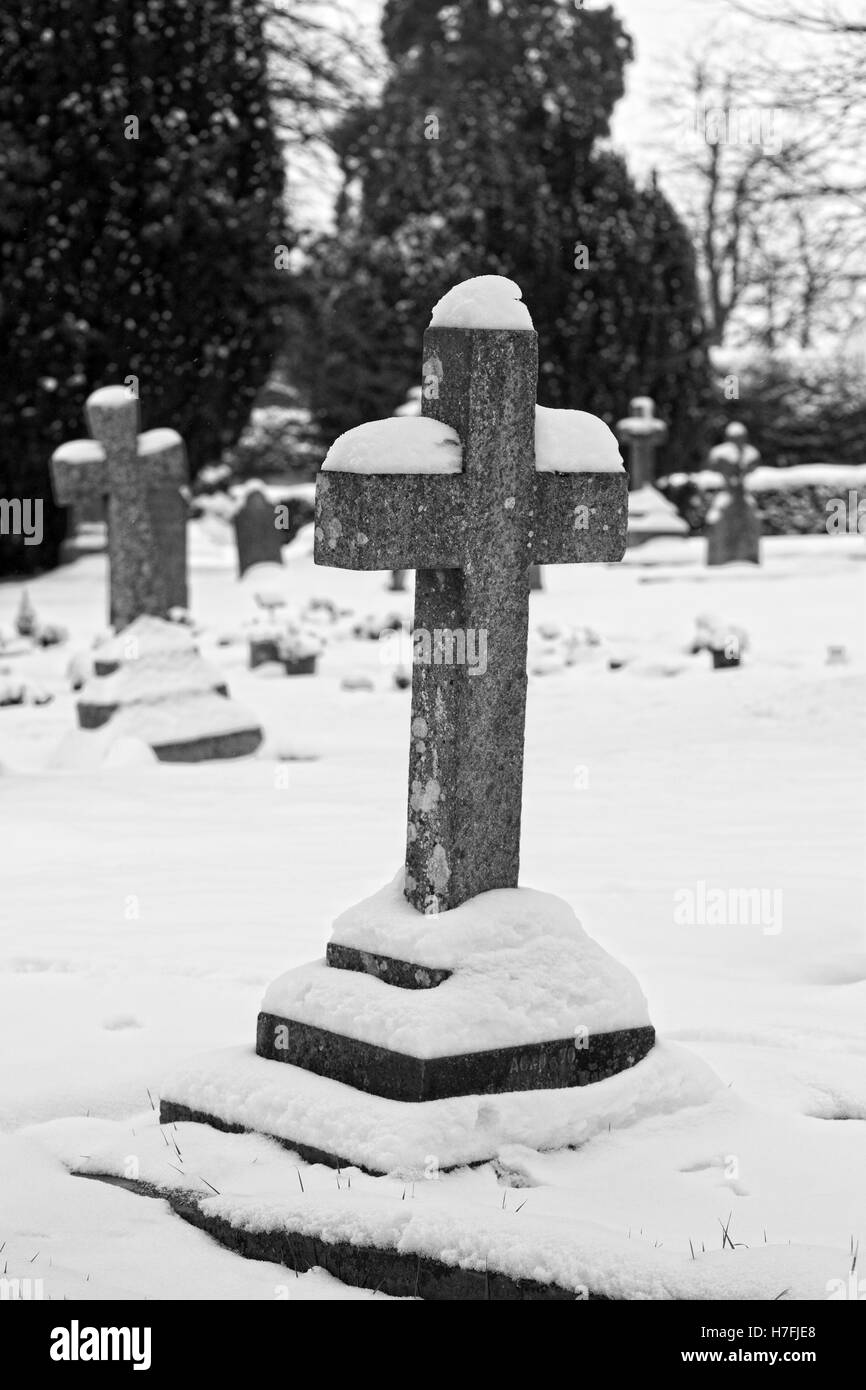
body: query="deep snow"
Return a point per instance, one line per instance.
(146, 908)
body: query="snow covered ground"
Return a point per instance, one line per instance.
(145, 907)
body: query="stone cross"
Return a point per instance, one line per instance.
(472, 537)
(643, 434)
(141, 476)
(733, 526)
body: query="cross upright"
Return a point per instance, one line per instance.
(644, 433)
(141, 476)
(472, 537)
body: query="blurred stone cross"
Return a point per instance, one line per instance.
(142, 477)
(643, 433)
(471, 532)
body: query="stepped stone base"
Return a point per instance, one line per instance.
(369, 1267)
(401, 973)
(382, 1072)
(201, 750)
(93, 715)
(172, 1112)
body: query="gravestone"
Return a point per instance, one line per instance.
(141, 476)
(393, 1012)
(258, 539)
(472, 538)
(643, 433)
(733, 525)
(650, 515)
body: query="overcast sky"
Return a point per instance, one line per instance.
(663, 32)
(660, 30)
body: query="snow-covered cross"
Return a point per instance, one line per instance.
(644, 433)
(521, 484)
(141, 475)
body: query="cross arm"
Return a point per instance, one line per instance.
(579, 517)
(78, 472)
(389, 521)
(163, 453)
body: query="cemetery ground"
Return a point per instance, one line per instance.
(146, 907)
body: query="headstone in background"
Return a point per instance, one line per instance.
(650, 515)
(733, 527)
(643, 434)
(258, 539)
(162, 454)
(142, 477)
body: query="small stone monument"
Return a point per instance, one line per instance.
(142, 477)
(650, 515)
(259, 540)
(643, 433)
(733, 526)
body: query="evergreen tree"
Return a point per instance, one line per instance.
(140, 208)
(484, 155)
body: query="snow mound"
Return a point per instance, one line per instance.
(269, 584)
(146, 636)
(128, 753)
(400, 444)
(650, 513)
(524, 971)
(157, 442)
(485, 301)
(277, 1098)
(573, 441)
(808, 475)
(766, 478)
(111, 398)
(182, 719)
(79, 451)
(162, 675)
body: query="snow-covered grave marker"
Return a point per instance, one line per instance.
(650, 514)
(471, 535)
(142, 476)
(454, 1014)
(733, 527)
(644, 434)
(469, 495)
